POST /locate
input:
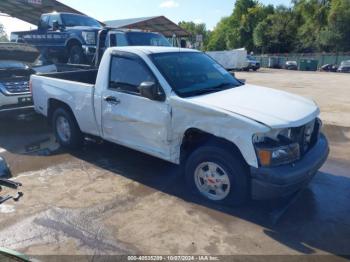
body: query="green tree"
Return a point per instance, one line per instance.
(218, 39)
(336, 36)
(196, 29)
(311, 16)
(276, 33)
(236, 31)
(3, 36)
(246, 16)
(308, 26)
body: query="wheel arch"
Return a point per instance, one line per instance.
(72, 42)
(194, 137)
(54, 104)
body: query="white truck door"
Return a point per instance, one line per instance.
(130, 119)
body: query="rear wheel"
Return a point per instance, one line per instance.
(66, 129)
(76, 55)
(218, 175)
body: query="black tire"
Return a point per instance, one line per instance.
(232, 165)
(76, 137)
(76, 55)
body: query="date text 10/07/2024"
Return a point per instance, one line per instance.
(173, 258)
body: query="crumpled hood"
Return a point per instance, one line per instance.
(274, 108)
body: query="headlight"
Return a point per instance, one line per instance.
(276, 148)
(276, 156)
(89, 37)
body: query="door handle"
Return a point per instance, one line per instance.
(112, 100)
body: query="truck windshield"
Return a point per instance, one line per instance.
(79, 20)
(146, 39)
(193, 73)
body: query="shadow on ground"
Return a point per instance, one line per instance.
(318, 217)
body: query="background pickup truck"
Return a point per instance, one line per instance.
(15, 71)
(73, 38)
(234, 141)
(17, 64)
(63, 36)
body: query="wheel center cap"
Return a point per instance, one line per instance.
(211, 181)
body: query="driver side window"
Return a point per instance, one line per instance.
(53, 18)
(127, 74)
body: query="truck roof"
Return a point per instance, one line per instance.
(66, 13)
(150, 49)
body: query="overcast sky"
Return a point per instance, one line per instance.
(207, 11)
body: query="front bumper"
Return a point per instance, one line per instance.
(274, 182)
(89, 50)
(11, 104)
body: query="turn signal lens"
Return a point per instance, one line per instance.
(264, 157)
(278, 155)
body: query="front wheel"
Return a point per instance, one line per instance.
(218, 175)
(76, 55)
(66, 129)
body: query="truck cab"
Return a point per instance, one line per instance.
(63, 37)
(113, 37)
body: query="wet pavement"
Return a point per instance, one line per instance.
(106, 199)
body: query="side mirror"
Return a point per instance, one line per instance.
(55, 25)
(151, 90)
(183, 43)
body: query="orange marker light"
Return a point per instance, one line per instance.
(264, 157)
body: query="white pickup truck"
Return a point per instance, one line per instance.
(234, 140)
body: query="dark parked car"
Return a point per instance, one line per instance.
(253, 64)
(329, 68)
(291, 65)
(344, 67)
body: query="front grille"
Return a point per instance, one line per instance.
(306, 136)
(13, 88)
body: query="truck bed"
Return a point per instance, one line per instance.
(83, 76)
(75, 89)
